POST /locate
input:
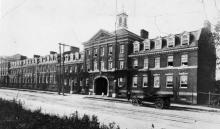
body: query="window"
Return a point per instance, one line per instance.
(158, 43)
(88, 66)
(170, 61)
(147, 44)
(134, 81)
(95, 52)
(102, 51)
(122, 47)
(110, 50)
(136, 46)
(157, 62)
(121, 65)
(171, 41)
(102, 65)
(183, 81)
(75, 69)
(88, 52)
(156, 81)
(146, 63)
(110, 65)
(135, 63)
(95, 65)
(185, 39)
(169, 81)
(145, 81)
(184, 60)
(121, 81)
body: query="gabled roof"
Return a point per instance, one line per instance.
(101, 34)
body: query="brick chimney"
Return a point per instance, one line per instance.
(144, 34)
(53, 52)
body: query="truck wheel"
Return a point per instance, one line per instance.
(167, 103)
(159, 104)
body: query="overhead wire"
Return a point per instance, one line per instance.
(12, 9)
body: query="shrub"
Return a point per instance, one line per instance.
(14, 116)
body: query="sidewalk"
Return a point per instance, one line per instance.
(174, 106)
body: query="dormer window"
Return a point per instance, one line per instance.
(76, 55)
(136, 45)
(171, 41)
(185, 39)
(158, 43)
(146, 44)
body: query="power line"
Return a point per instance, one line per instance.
(12, 10)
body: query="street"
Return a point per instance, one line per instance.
(123, 114)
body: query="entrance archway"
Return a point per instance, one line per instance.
(101, 86)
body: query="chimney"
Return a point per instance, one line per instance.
(53, 52)
(207, 25)
(144, 34)
(36, 56)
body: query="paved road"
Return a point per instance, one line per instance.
(124, 114)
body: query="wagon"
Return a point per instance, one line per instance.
(160, 100)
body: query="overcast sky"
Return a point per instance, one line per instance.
(37, 26)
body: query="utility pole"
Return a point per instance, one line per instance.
(62, 68)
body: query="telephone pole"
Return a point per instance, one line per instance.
(61, 65)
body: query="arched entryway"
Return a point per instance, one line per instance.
(101, 86)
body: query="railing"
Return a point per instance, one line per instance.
(213, 98)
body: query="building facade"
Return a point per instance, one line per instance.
(121, 62)
(180, 64)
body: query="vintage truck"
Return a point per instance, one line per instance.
(160, 100)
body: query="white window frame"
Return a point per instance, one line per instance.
(102, 49)
(136, 47)
(169, 59)
(95, 65)
(95, 51)
(146, 63)
(167, 81)
(158, 43)
(122, 48)
(110, 50)
(157, 62)
(109, 65)
(146, 44)
(157, 76)
(143, 80)
(171, 41)
(185, 37)
(134, 79)
(184, 59)
(122, 80)
(121, 64)
(186, 83)
(102, 65)
(135, 63)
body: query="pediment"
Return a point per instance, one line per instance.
(101, 34)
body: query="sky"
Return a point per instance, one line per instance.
(31, 27)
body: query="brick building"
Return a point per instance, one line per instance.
(179, 64)
(118, 62)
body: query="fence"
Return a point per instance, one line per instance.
(213, 98)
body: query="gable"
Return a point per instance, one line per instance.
(101, 34)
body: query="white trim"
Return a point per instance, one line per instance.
(161, 51)
(181, 67)
(180, 93)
